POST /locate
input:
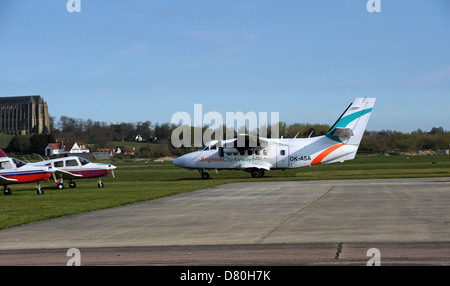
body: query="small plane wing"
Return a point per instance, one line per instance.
(4, 180)
(66, 175)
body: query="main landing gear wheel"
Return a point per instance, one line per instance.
(257, 173)
(60, 186)
(101, 185)
(7, 191)
(40, 191)
(72, 185)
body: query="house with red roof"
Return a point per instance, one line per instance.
(63, 148)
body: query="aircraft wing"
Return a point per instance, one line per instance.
(262, 165)
(245, 141)
(4, 180)
(66, 175)
(267, 141)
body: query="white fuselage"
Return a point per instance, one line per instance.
(278, 154)
(340, 143)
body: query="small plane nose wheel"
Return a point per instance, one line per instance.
(100, 184)
(59, 183)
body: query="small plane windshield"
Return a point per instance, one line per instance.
(19, 163)
(83, 161)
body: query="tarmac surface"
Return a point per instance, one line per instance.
(342, 222)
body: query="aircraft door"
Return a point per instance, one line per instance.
(257, 154)
(282, 156)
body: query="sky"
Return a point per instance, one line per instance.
(131, 60)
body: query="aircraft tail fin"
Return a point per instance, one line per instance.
(2, 154)
(350, 127)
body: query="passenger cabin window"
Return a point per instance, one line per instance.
(282, 152)
(250, 152)
(5, 165)
(242, 152)
(265, 152)
(71, 163)
(257, 152)
(59, 164)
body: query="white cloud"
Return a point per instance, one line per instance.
(432, 78)
(135, 49)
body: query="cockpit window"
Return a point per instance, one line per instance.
(84, 161)
(205, 147)
(19, 163)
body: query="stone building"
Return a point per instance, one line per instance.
(22, 115)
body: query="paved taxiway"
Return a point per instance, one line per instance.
(257, 216)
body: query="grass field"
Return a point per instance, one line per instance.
(141, 181)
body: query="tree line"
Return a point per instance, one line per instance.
(97, 134)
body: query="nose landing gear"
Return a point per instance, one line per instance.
(203, 174)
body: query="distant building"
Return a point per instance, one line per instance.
(22, 115)
(123, 150)
(63, 148)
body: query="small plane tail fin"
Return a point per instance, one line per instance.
(2, 154)
(350, 127)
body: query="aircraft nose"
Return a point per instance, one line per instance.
(185, 161)
(179, 161)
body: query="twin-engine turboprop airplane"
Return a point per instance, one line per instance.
(73, 167)
(14, 171)
(339, 144)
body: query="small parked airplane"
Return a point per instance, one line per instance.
(15, 171)
(73, 167)
(339, 144)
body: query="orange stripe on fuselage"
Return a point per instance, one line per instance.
(325, 153)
